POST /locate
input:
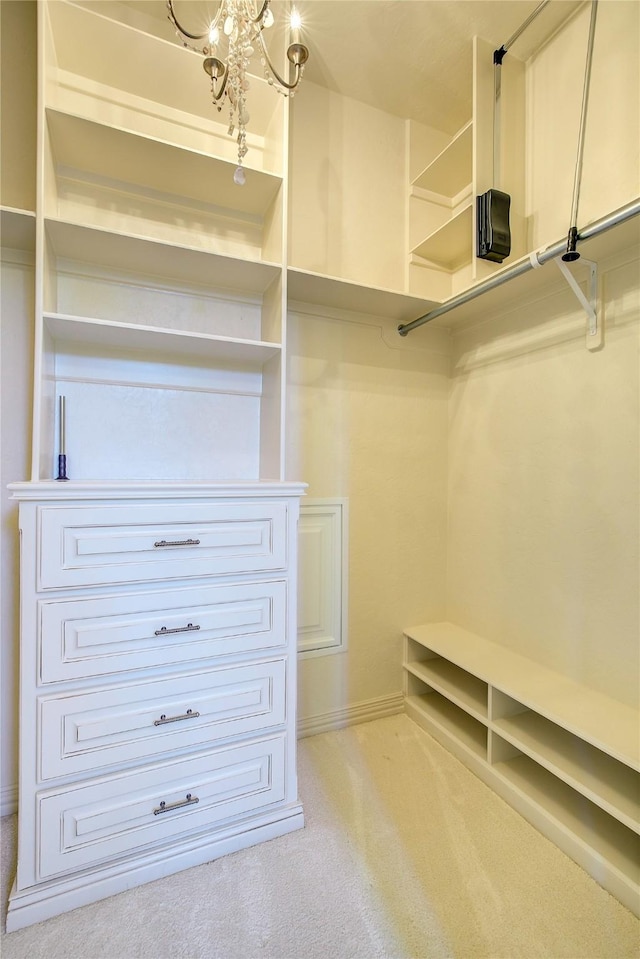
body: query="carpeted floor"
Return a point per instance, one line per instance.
(405, 854)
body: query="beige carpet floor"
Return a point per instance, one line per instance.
(405, 854)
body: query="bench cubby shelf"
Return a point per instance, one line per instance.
(565, 756)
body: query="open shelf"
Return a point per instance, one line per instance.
(451, 170)
(149, 164)
(443, 714)
(462, 688)
(305, 286)
(449, 247)
(612, 785)
(100, 335)
(608, 838)
(101, 66)
(155, 258)
(18, 229)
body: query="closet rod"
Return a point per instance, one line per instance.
(530, 262)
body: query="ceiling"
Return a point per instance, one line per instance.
(412, 58)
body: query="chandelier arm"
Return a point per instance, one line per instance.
(284, 83)
(176, 23)
(221, 92)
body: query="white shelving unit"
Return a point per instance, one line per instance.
(566, 757)
(169, 553)
(154, 264)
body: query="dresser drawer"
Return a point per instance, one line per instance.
(87, 731)
(110, 817)
(82, 638)
(100, 545)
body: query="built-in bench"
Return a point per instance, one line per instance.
(565, 756)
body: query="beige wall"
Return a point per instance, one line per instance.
(347, 182)
(611, 170)
(544, 434)
(543, 486)
(367, 420)
(17, 104)
(17, 190)
(16, 377)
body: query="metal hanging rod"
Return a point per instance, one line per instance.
(523, 26)
(500, 52)
(498, 57)
(534, 260)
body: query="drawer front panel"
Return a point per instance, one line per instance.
(100, 545)
(107, 818)
(87, 731)
(83, 638)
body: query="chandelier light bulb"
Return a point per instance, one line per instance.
(227, 57)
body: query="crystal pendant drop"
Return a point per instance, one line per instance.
(239, 176)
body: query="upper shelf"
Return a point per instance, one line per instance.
(321, 290)
(449, 246)
(104, 335)
(155, 258)
(150, 164)
(451, 170)
(18, 229)
(108, 52)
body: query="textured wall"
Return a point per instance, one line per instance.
(347, 182)
(367, 421)
(16, 315)
(611, 169)
(543, 485)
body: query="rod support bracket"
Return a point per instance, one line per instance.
(588, 302)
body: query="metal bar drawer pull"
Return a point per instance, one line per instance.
(178, 542)
(189, 628)
(188, 801)
(176, 719)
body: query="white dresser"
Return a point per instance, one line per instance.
(157, 716)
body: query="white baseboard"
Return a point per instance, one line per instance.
(362, 712)
(8, 800)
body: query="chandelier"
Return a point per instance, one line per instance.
(234, 35)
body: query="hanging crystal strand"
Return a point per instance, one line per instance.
(244, 53)
(237, 20)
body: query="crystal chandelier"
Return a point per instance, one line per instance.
(234, 35)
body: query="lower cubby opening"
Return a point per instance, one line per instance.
(611, 784)
(568, 809)
(458, 685)
(426, 703)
